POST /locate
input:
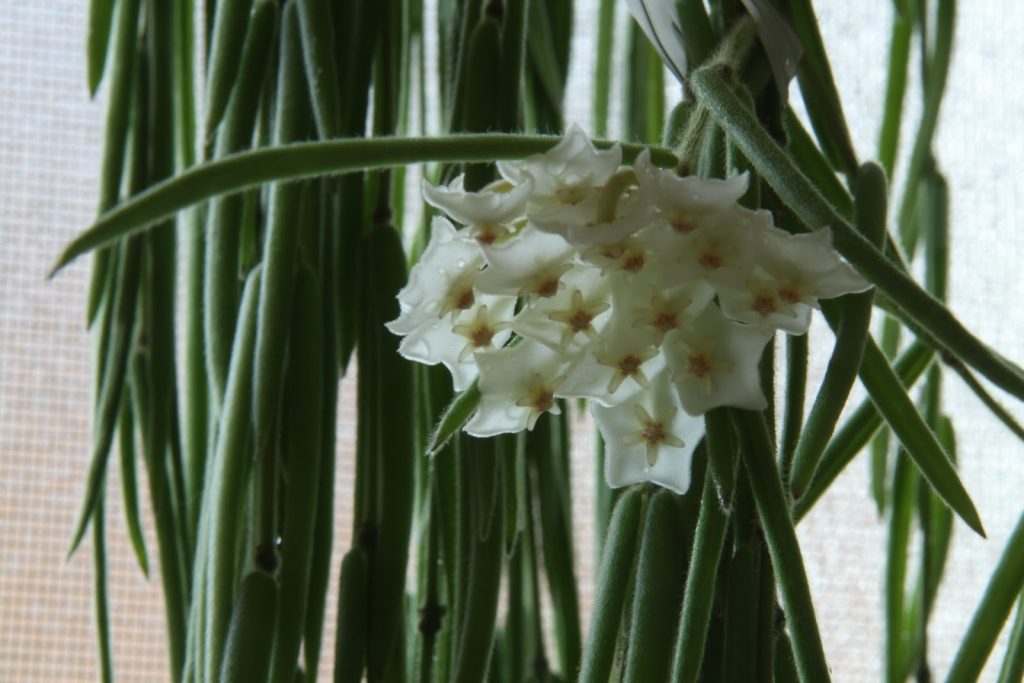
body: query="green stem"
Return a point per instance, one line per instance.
(699, 594)
(308, 160)
(896, 86)
(780, 535)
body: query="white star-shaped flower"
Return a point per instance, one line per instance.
(485, 327)
(575, 315)
(531, 264)
(616, 367)
(517, 384)
(443, 281)
(755, 299)
(649, 438)
(685, 203)
(489, 213)
(568, 173)
(714, 362)
(807, 267)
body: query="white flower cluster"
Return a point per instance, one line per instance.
(651, 295)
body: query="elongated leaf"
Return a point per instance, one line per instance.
(857, 431)
(1013, 665)
(773, 509)
(1000, 594)
(699, 593)
(101, 15)
(819, 89)
(309, 160)
(902, 416)
(659, 583)
(796, 191)
(229, 28)
(896, 86)
(851, 336)
(617, 564)
(904, 495)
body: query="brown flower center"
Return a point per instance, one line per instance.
(698, 365)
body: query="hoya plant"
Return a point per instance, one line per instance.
(295, 191)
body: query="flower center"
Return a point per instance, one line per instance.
(681, 225)
(547, 287)
(764, 305)
(666, 321)
(698, 365)
(633, 262)
(653, 433)
(629, 364)
(710, 260)
(481, 336)
(789, 294)
(579, 320)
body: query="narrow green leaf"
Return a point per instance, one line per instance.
(309, 160)
(250, 639)
(281, 241)
(323, 534)
(699, 593)
(551, 473)
(617, 562)
(812, 162)
(990, 401)
(112, 384)
(129, 483)
(896, 86)
(904, 495)
(819, 89)
(230, 24)
(99, 579)
(659, 588)
(795, 190)
(319, 56)
(353, 615)
(227, 480)
(486, 553)
(457, 414)
(101, 15)
(858, 430)
(780, 535)
(870, 190)
(906, 422)
(1012, 669)
(796, 390)
(935, 87)
(602, 65)
(393, 459)
(740, 637)
(303, 428)
(513, 60)
(1003, 588)
(698, 36)
(222, 290)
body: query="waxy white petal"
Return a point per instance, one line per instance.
(515, 383)
(714, 363)
(627, 446)
(499, 203)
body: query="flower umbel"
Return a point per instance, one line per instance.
(649, 294)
